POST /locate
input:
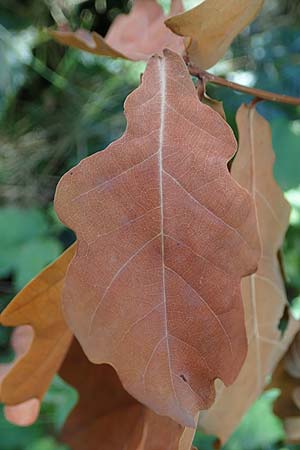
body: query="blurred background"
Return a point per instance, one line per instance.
(59, 105)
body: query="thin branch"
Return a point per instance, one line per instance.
(257, 93)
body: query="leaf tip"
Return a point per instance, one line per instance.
(23, 414)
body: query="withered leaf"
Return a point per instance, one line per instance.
(39, 305)
(287, 378)
(134, 36)
(210, 27)
(263, 292)
(164, 236)
(107, 414)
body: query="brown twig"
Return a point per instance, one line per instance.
(257, 93)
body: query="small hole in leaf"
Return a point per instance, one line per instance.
(183, 378)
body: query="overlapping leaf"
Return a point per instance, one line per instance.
(287, 378)
(37, 305)
(134, 36)
(211, 26)
(106, 414)
(164, 236)
(263, 292)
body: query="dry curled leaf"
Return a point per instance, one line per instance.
(107, 414)
(164, 236)
(287, 378)
(263, 292)
(134, 36)
(210, 27)
(38, 305)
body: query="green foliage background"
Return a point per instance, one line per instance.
(60, 105)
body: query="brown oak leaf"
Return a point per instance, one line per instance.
(263, 292)
(164, 237)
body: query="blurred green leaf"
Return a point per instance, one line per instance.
(259, 428)
(204, 442)
(59, 401)
(15, 438)
(295, 308)
(45, 443)
(18, 225)
(292, 257)
(293, 197)
(57, 404)
(8, 257)
(286, 142)
(33, 256)
(26, 243)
